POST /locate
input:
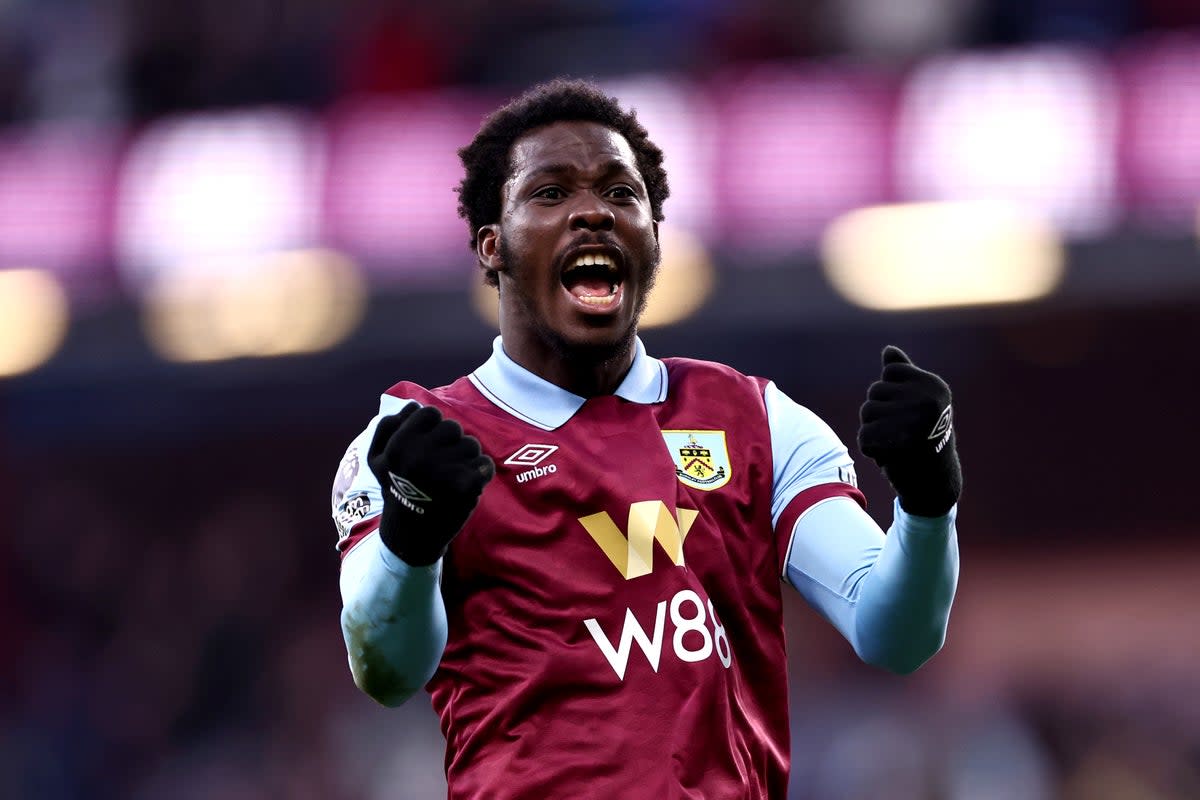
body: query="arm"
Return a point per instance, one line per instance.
(393, 618)
(889, 596)
(393, 621)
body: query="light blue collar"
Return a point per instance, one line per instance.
(539, 402)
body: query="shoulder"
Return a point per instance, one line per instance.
(461, 392)
(391, 402)
(717, 395)
(407, 390)
(461, 401)
(697, 374)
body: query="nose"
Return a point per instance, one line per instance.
(591, 213)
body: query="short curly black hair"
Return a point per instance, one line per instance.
(488, 158)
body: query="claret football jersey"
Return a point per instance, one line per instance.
(614, 602)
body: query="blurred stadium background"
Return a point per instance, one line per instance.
(226, 227)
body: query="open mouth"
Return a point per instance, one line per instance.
(593, 279)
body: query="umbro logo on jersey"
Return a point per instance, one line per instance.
(532, 455)
(942, 430)
(408, 494)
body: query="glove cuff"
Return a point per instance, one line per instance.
(928, 484)
(414, 553)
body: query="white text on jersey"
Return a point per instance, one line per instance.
(651, 645)
(536, 472)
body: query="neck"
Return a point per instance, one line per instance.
(586, 371)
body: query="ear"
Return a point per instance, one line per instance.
(487, 248)
(655, 223)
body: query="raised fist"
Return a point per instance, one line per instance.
(908, 429)
(431, 474)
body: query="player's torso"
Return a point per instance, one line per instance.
(613, 592)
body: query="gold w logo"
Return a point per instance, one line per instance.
(649, 520)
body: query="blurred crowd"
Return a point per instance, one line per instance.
(166, 648)
(134, 59)
(169, 610)
(172, 622)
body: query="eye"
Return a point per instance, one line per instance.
(550, 193)
(621, 192)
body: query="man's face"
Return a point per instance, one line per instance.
(577, 245)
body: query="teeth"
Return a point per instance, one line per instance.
(600, 301)
(593, 259)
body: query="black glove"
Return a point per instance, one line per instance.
(908, 430)
(431, 475)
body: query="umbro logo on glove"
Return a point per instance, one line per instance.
(906, 409)
(407, 494)
(942, 430)
(434, 473)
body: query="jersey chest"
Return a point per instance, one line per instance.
(621, 500)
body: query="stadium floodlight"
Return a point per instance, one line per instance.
(932, 255)
(685, 278)
(33, 319)
(1036, 128)
(278, 304)
(213, 188)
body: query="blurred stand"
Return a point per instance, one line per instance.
(224, 226)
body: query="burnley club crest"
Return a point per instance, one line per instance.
(701, 460)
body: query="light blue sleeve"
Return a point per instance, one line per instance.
(805, 452)
(393, 619)
(888, 595)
